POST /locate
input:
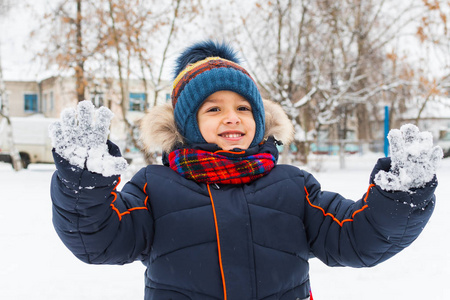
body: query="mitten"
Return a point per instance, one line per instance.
(80, 137)
(414, 160)
(383, 164)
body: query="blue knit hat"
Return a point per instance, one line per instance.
(203, 69)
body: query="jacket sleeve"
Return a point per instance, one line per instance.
(99, 224)
(342, 232)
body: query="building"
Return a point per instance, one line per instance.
(51, 95)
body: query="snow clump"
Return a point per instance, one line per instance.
(414, 160)
(80, 138)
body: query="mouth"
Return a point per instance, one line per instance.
(231, 135)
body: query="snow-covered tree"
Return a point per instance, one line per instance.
(329, 62)
(326, 62)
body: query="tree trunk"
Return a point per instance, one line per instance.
(169, 40)
(79, 70)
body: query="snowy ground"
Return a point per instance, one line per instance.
(36, 265)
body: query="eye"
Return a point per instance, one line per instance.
(244, 108)
(213, 109)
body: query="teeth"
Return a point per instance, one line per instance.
(234, 135)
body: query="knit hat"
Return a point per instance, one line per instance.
(203, 69)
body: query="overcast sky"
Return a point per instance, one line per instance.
(19, 64)
(17, 61)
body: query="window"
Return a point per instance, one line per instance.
(31, 102)
(137, 101)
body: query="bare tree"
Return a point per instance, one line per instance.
(433, 33)
(137, 39)
(106, 40)
(328, 63)
(66, 32)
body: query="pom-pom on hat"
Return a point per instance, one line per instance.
(203, 69)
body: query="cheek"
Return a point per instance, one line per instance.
(206, 128)
(251, 125)
(201, 123)
(251, 130)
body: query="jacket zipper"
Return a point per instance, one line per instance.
(218, 240)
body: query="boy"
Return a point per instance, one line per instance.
(220, 220)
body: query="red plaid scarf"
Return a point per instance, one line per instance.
(209, 167)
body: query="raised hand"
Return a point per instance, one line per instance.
(414, 160)
(80, 137)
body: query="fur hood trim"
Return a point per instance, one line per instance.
(159, 130)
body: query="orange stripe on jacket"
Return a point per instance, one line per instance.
(130, 209)
(226, 151)
(218, 246)
(332, 216)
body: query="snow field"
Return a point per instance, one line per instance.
(421, 271)
(37, 265)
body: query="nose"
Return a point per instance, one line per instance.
(231, 117)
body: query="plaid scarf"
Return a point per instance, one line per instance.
(212, 167)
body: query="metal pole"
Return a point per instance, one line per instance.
(386, 130)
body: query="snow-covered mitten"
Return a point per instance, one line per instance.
(414, 160)
(80, 137)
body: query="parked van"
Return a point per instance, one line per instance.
(30, 138)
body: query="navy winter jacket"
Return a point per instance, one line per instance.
(250, 241)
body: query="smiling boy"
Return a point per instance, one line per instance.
(220, 219)
(225, 119)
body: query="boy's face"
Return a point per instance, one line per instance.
(226, 119)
